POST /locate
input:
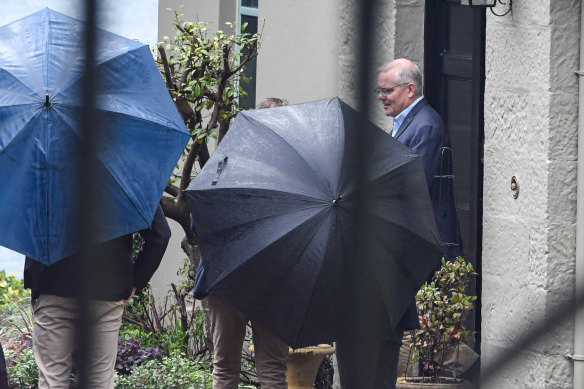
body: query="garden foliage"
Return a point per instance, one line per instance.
(443, 306)
(11, 289)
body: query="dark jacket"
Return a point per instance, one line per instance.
(424, 132)
(111, 272)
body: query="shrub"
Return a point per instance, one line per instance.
(443, 307)
(176, 323)
(173, 371)
(131, 354)
(11, 289)
(22, 369)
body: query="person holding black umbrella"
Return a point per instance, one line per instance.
(228, 327)
(294, 223)
(368, 350)
(113, 280)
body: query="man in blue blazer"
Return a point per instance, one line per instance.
(368, 351)
(418, 126)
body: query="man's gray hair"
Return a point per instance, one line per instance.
(406, 74)
(271, 102)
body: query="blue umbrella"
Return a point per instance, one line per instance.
(141, 135)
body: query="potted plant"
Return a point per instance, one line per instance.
(443, 306)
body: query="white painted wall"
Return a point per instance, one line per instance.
(192, 11)
(298, 59)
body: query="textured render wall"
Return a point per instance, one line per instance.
(197, 10)
(298, 57)
(529, 243)
(398, 31)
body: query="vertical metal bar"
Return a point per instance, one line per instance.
(364, 54)
(363, 60)
(88, 203)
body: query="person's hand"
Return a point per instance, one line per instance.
(131, 295)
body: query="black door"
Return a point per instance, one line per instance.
(454, 85)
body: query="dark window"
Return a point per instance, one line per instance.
(249, 16)
(249, 3)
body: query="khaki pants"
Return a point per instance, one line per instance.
(228, 328)
(54, 340)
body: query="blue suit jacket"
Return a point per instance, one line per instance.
(424, 132)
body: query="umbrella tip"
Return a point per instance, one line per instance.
(336, 201)
(47, 102)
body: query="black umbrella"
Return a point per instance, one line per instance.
(276, 207)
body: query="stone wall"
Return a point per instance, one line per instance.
(398, 31)
(531, 107)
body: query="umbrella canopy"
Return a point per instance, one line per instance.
(141, 135)
(280, 204)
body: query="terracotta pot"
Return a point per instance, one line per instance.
(303, 364)
(416, 383)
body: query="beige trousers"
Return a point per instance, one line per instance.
(228, 327)
(53, 340)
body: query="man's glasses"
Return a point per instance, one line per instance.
(387, 91)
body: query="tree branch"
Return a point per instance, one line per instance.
(223, 127)
(203, 155)
(253, 52)
(178, 210)
(187, 169)
(167, 74)
(172, 190)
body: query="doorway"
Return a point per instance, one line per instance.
(454, 73)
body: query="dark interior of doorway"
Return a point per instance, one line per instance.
(454, 74)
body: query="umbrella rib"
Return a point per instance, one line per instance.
(285, 141)
(16, 136)
(273, 242)
(373, 181)
(32, 104)
(377, 216)
(286, 193)
(105, 167)
(165, 125)
(322, 203)
(19, 82)
(97, 65)
(273, 216)
(393, 168)
(312, 294)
